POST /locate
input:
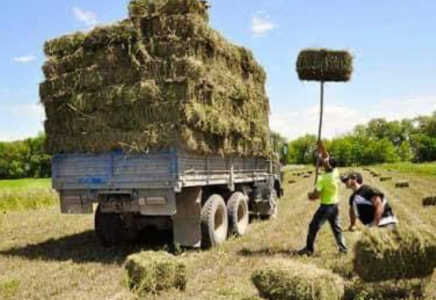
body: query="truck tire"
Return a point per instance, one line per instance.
(113, 229)
(237, 208)
(272, 206)
(214, 222)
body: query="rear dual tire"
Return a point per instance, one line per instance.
(214, 222)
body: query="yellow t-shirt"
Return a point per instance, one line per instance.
(328, 187)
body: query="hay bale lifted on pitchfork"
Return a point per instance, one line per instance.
(402, 184)
(153, 272)
(289, 280)
(429, 201)
(324, 65)
(395, 254)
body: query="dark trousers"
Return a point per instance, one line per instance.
(326, 213)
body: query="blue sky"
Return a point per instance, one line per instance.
(393, 42)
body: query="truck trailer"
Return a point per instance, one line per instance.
(201, 199)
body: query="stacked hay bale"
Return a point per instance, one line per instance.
(153, 272)
(401, 254)
(161, 78)
(290, 280)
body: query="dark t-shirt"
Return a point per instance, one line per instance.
(363, 207)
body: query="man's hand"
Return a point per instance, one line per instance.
(313, 195)
(352, 228)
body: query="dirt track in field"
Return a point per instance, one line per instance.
(46, 255)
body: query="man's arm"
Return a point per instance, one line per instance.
(378, 209)
(353, 219)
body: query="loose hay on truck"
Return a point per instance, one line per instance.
(162, 122)
(395, 254)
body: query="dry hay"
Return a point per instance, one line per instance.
(153, 272)
(402, 184)
(292, 181)
(393, 289)
(429, 201)
(159, 79)
(324, 65)
(385, 178)
(291, 280)
(430, 289)
(395, 254)
(306, 176)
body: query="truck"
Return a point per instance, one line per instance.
(202, 200)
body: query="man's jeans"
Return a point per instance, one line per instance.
(326, 213)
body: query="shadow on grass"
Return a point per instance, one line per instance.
(85, 248)
(268, 252)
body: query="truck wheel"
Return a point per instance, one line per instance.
(272, 206)
(237, 208)
(214, 223)
(115, 229)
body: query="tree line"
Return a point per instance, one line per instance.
(378, 141)
(24, 159)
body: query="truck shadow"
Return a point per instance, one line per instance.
(85, 248)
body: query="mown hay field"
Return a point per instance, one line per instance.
(45, 255)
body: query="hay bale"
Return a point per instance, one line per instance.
(395, 254)
(402, 184)
(306, 176)
(292, 181)
(393, 289)
(324, 65)
(385, 178)
(430, 288)
(152, 272)
(291, 280)
(428, 201)
(65, 45)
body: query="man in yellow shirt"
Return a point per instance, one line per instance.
(327, 190)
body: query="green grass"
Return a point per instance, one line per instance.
(425, 169)
(24, 184)
(25, 194)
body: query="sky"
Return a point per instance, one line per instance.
(393, 43)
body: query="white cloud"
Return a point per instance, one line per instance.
(260, 25)
(25, 59)
(89, 18)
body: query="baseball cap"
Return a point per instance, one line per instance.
(352, 175)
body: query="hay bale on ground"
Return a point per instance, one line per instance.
(324, 65)
(152, 272)
(306, 176)
(402, 184)
(291, 280)
(357, 289)
(395, 254)
(430, 289)
(428, 201)
(292, 181)
(385, 178)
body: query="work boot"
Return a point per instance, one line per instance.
(305, 251)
